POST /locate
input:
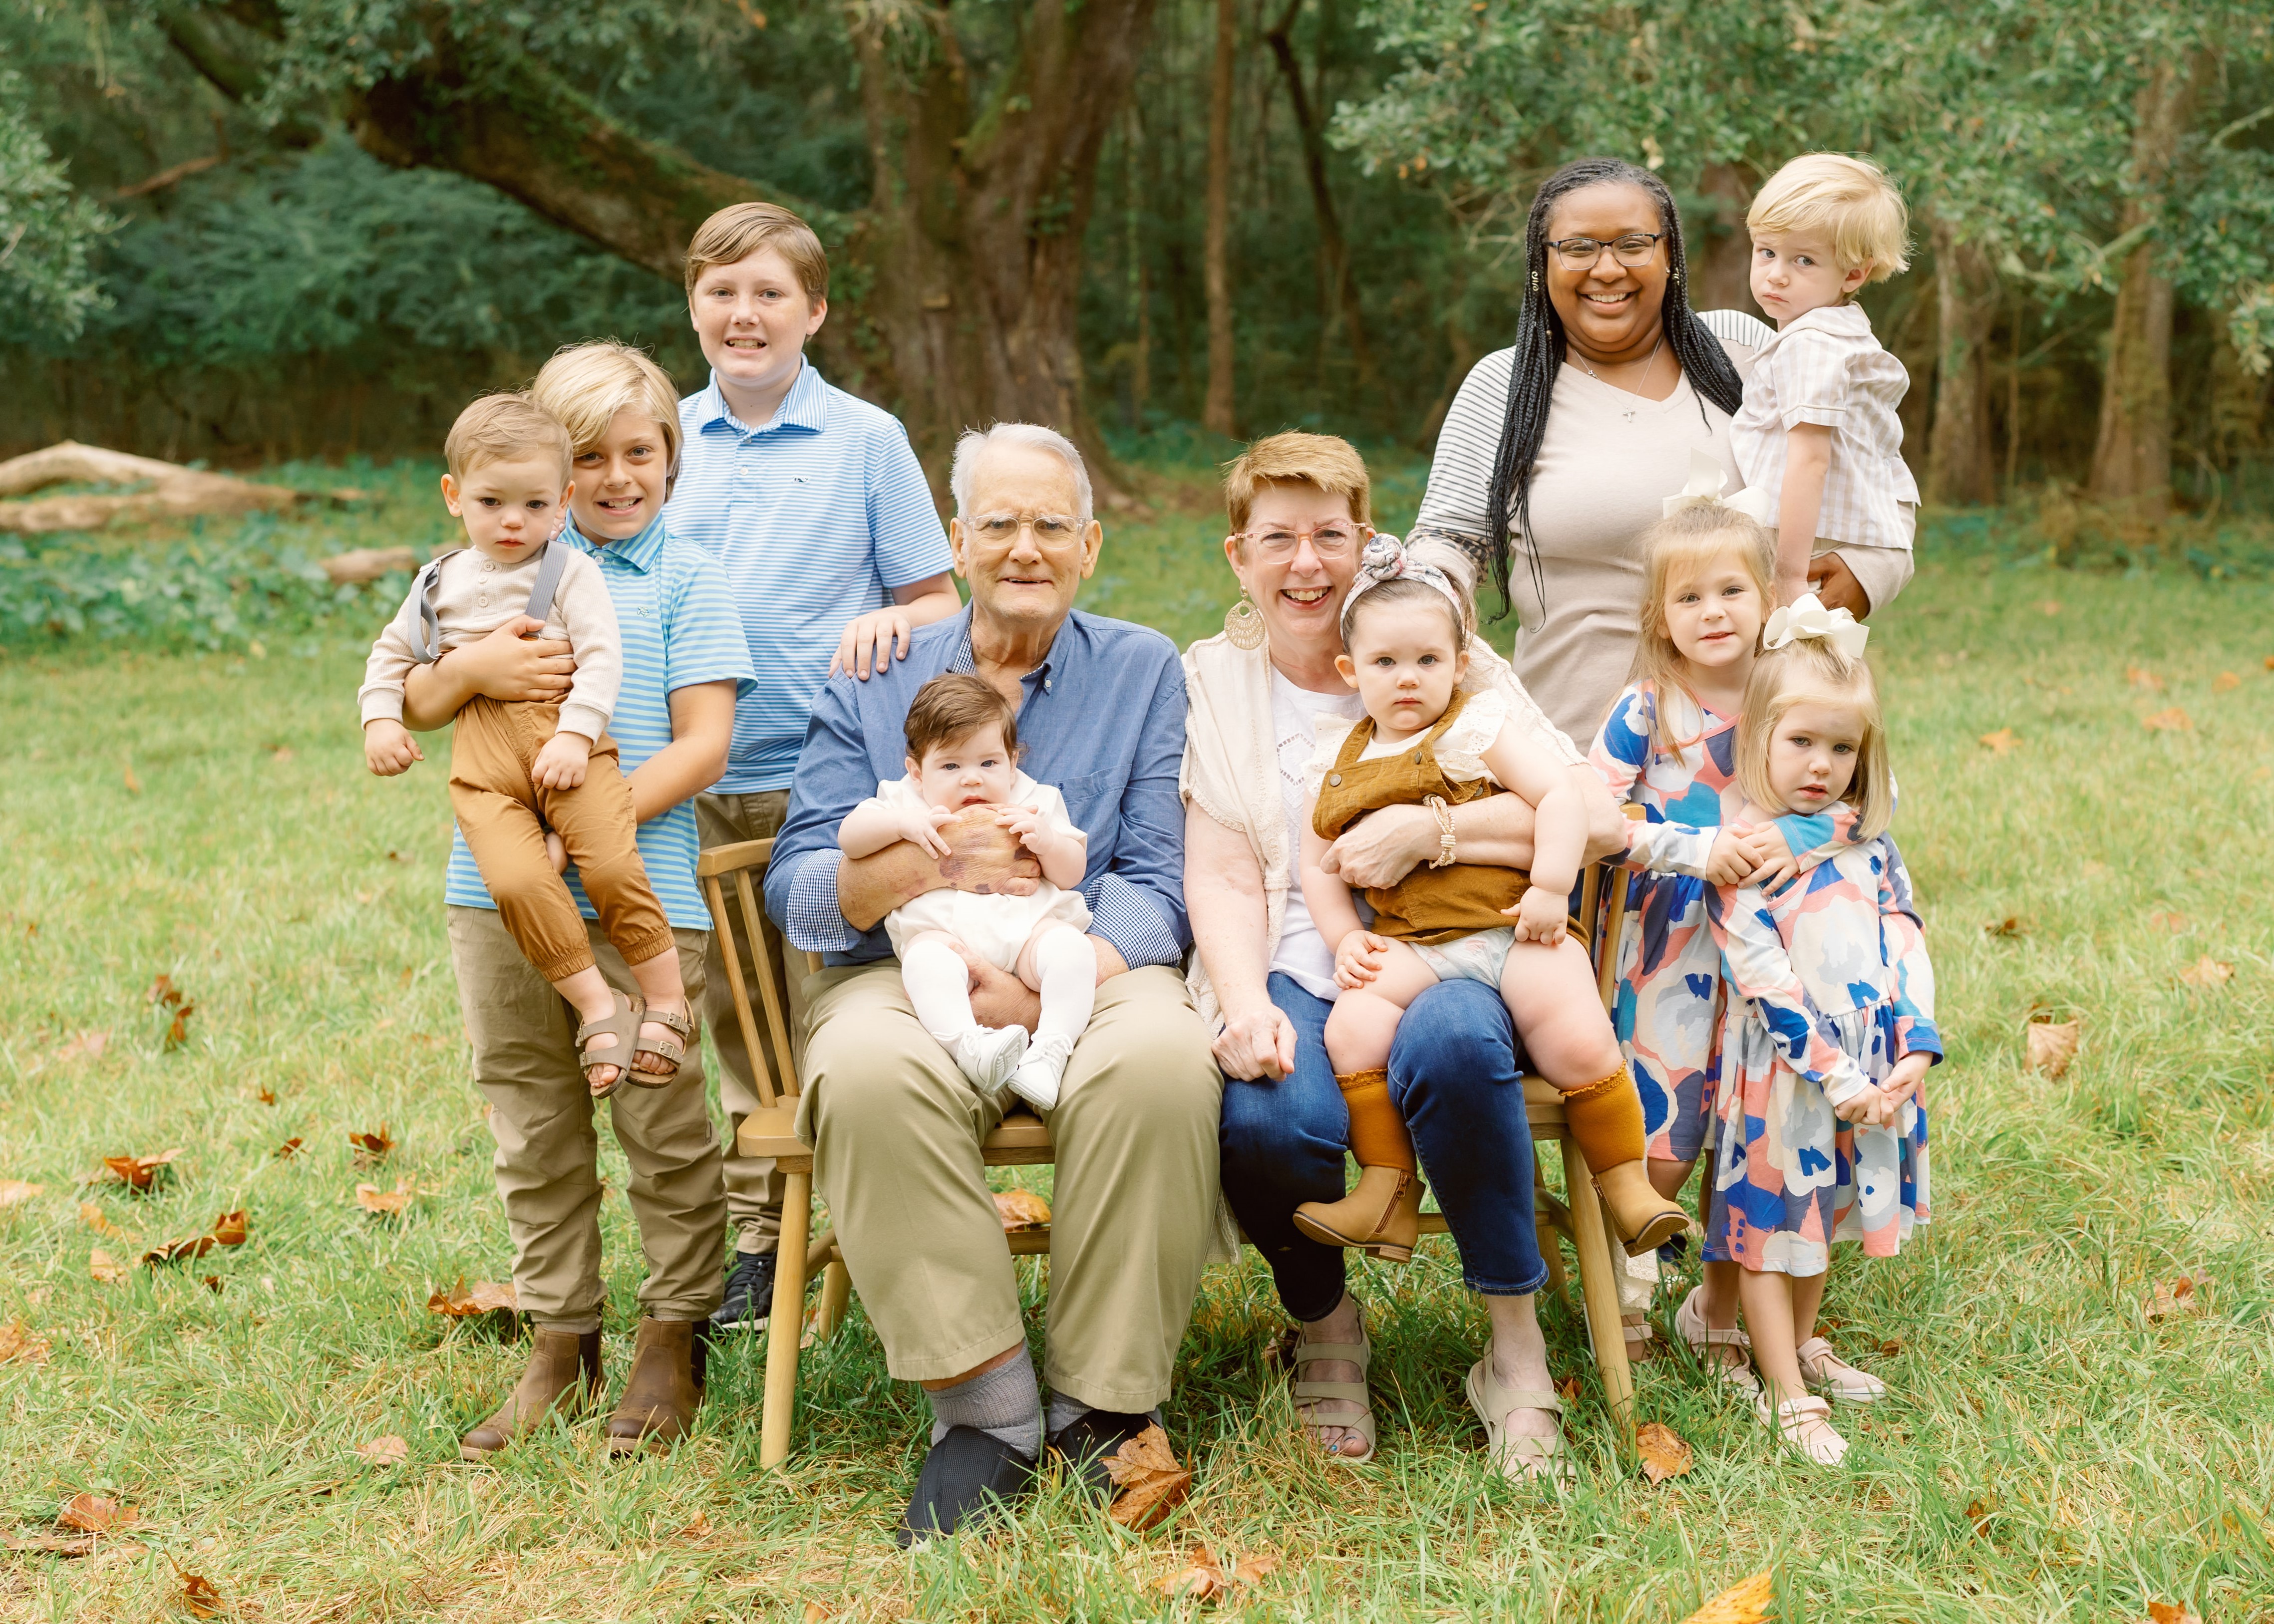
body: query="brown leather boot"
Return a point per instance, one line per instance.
(1604, 1118)
(665, 1385)
(1382, 1215)
(560, 1364)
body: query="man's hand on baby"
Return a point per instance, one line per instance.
(1358, 959)
(561, 764)
(1541, 915)
(388, 749)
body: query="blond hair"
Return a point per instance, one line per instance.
(739, 229)
(503, 428)
(585, 386)
(1327, 462)
(1683, 542)
(1851, 198)
(1809, 670)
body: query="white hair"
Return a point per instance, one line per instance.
(974, 443)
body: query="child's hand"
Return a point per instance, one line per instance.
(1903, 1082)
(388, 749)
(560, 764)
(1864, 1108)
(1791, 589)
(920, 828)
(1040, 838)
(1730, 862)
(556, 852)
(1541, 915)
(1773, 861)
(1358, 959)
(873, 642)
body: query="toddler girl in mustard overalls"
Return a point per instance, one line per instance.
(1407, 626)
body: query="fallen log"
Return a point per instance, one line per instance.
(175, 491)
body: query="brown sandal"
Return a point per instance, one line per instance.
(623, 1024)
(662, 1048)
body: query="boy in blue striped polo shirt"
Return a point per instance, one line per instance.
(814, 502)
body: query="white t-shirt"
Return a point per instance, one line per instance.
(1303, 955)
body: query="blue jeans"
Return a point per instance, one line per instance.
(1453, 1071)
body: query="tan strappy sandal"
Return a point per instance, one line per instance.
(1802, 1425)
(1307, 1394)
(662, 1048)
(1826, 1372)
(1690, 1320)
(623, 1024)
(1532, 1457)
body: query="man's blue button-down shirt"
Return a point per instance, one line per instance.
(1103, 720)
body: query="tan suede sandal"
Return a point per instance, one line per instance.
(1826, 1372)
(1690, 1320)
(1307, 1394)
(1514, 1456)
(661, 1048)
(623, 1025)
(1802, 1425)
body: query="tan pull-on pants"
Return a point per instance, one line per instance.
(896, 1131)
(504, 815)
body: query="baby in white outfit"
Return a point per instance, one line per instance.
(963, 752)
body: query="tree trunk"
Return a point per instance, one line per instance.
(2132, 459)
(1340, 293)
(1721, 276)
(1960, 467)
(1217, 414)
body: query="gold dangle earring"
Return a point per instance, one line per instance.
(1243, 623)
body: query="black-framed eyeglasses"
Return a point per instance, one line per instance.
(1634, 249)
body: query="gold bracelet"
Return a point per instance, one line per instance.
(1444, 814)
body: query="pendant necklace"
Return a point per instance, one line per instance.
(1628, 415)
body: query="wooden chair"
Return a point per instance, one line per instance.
(1021, 1140)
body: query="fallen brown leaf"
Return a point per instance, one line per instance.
(482, 1297)
(2001, 741)
(1745, 1602)
(1664, 1454)
(1203, 1579)
(133, 783)
(2172, 1613)
(2139, 676)
(2012, 925)
(2176, 923)
(1151, 1482)
(2048, 606)
(84, 1046)
(388, 1451)
(1567, 1389)
(211, 1283)
(386, 1203)
(2207, 972)
(289, 1147)
(2180, 1294)
(177, 1030)
(53, 1545)
(15, 1192)
(1890, 1346)
(91, 1514)
(2171, 721)
(199, 1596)
(19, 1346)
(1021, 1209)
(816, 1613)
(141, 1172)
(91, 1215)
(163, 991)
(265, 1095)
(1977, 1513)
(2225, 682)
(698, 1527)
(229, 1230)
(105, 1268)
(2051, 1045)
(368, 1146)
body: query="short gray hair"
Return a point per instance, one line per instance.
(974, 443)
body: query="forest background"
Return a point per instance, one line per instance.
(257, 231)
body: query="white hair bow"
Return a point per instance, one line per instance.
(1807, 617)
(1707, 481)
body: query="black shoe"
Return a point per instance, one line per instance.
(750, 1294)
(1085, 1445)
(967, 1473)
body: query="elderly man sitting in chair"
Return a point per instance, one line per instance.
(894, 1125)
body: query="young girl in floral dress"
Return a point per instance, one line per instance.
(1820, 1133)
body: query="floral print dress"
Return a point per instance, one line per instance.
(1830, 987)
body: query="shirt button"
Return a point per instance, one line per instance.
(1334, 777)
(482, 601)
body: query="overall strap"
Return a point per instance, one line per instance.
(548, 578)
(427, 644)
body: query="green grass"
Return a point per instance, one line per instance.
(2051, 1453)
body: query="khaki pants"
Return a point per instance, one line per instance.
(896, 1129)
(504, 815)
(541, 1117)
(754, 1187)
(1882, 572)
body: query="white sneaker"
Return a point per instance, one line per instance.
(1037, 1080)
(988, 1056)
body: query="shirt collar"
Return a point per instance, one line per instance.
(640, 551)
(805, 406)
(964, 660)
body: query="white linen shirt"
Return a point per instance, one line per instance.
(1825, 367)
(816, 515)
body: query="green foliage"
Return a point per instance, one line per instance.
(47, 229)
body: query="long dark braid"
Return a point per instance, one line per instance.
(1539, 356)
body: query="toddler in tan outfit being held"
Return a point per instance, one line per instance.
(535, 782)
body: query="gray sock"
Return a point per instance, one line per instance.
(1004, 1402)
(1067, 1410)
